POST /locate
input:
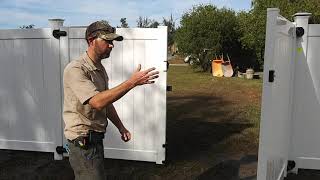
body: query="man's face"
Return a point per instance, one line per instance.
(102, 47)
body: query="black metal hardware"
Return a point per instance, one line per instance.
(291, 165)
(57, 33)
(271, 75)
(169, 88)
(165, 145)
(60, 150)
(299, 31)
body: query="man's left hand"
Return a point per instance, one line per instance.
(125, 134)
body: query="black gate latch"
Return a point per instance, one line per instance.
(57, 33)
(271, 76)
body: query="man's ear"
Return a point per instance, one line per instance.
(90, 40)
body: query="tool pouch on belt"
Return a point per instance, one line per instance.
(85, 142)
(82, 142)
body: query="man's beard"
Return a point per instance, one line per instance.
(103, 55)
(106, 55)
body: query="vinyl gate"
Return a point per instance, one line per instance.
(30, 112)
(289, 135)
(31, 67)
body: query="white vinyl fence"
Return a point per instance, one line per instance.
(31, 67)
(289, 130)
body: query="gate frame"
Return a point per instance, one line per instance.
(160, 140)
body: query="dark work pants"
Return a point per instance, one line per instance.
(87, 164)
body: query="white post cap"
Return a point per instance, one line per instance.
(55, 23)
(302, 14)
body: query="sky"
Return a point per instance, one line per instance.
(16, 13)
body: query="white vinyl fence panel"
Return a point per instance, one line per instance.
(306, 113)
(30, 82)
(289, 130)
(31, 67)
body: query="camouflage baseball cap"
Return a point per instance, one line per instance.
(102, 30)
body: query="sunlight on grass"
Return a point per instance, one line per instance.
(235, 101)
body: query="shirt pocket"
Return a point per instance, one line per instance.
(97, 80)
(85, 110)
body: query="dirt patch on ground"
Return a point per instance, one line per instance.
(212, 133)
(176, 59)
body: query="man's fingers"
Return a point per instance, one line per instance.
(153, 73)
(149, 82)
(153, 77)
(124, 137)
(138, 68)
(149, 70)
(128, 136)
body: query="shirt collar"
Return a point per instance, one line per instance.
(90, 64)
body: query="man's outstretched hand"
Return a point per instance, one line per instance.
(143, 77)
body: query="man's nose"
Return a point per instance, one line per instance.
(111, 45)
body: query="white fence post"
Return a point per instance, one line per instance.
(161, 137)
(64, 60)
(303, 72)
(302, 20)
(56, 24)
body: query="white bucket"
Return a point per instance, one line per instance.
(249, 73)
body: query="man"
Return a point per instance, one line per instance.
(88, 102)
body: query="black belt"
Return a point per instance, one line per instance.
(85, 142)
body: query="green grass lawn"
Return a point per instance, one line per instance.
(232, 104)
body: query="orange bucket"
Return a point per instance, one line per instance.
(217, 68)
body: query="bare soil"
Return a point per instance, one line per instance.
(176, 59)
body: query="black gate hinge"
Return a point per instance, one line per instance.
(57, 33)
(165, 145)
(299, 31)
(291, 165)
(60, 150)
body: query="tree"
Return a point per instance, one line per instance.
(171, 29)
(153, 24)
(145, 22)
(289, 7)
(252, 24)
(30, 26)
(207, 27)
(124, 23)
